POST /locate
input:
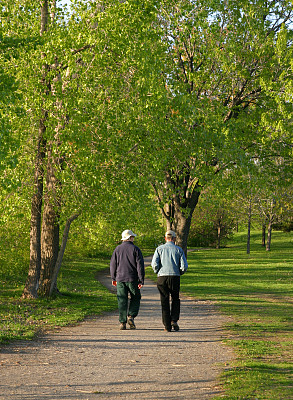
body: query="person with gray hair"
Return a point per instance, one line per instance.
(127, 274)
(169, 263)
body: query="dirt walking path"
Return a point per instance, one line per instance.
(95, 360)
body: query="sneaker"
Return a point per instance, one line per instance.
(175, 326)
(131, 322)
(123, 326)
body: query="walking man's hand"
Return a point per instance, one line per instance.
(114, 283)
(140, 285)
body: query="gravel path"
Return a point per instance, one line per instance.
(95, 360)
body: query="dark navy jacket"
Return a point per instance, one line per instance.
(127, 263)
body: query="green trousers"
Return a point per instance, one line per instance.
(125, 309)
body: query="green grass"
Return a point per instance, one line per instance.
(256, 291)
(82, 296)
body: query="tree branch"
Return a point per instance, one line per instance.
(61, 251)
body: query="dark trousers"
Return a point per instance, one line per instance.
(123, 288)
(169, 286)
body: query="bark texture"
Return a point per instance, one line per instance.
(32, 282)
(178, 208)
(50, 226)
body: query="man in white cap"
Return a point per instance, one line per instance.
(169, 263)
(127, 274)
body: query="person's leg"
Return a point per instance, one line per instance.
(174, 287)
(135, 296)
(165, 300)
(122, 297)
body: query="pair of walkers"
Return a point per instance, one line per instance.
(127, 274)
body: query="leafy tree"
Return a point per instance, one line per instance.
(191, 90)
(70, 105)
(218, 88)
(39, 72)
(263, 194)
(274, 201)
(120, 95)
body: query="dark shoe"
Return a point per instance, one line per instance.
(167, 329)
(131, 322)
(123, 326)
(175, 326)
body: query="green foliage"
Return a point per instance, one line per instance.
(68, 73)
(285, 226)
(205, 226)
(99, 235)
(14, 246)
(139, 88)
(213, 219)
(211, 100)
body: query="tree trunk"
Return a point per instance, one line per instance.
(44, 16)
(178, 209)
(182, 228)
(51, 212)
(263, 237)
(248, 228)
(271, 216)
(50, 227)
(50, 238)
(32, 282)
(61, 253)
(268, 245)
(219, 237)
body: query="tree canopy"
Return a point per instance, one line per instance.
(115, 110)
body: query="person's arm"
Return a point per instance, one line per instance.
(140, 268)
(113, 268)
(183, 263)
(156, 262)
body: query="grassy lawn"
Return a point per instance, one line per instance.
(82, 295)
(255, 290)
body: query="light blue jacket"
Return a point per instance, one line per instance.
(169, 260)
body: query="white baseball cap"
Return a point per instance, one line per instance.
(127, 234)
(170, 233)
